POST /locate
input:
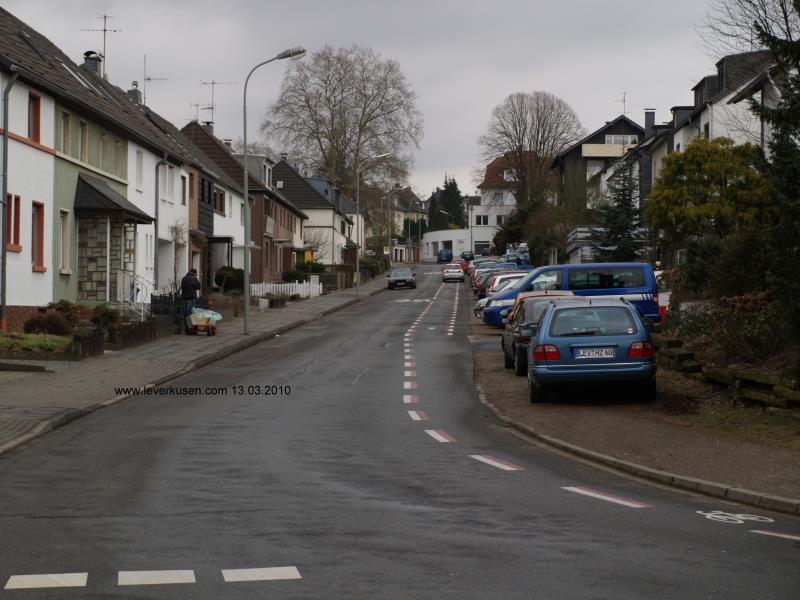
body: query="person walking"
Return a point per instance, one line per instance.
(190, 286)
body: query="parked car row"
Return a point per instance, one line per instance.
(578, 325)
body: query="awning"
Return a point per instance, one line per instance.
(93, 195)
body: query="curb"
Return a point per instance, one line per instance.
(47, 425)
(700, 486)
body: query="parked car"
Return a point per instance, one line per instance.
(452, 272)
(591, 341)
(487, 280)
(401, 277)
(444, 256)
(468, 256)
(502, 280)
(633, 281)
(519, 329)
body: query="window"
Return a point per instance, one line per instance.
(66, 137)
(118, 165)
(341, 226)
(621, 139)
(183, 190)
(706, 130)
(219, 201)
(64, 255)
(548, 280)
(34, 104)
(500, 219)
(12, 223)
(604, 279)
(37, 237)
(101, 160)
(171, 183)
(508, 175)
(83, 142)
(139, 169)
(601, 320)
(481, 219)
(230, 205)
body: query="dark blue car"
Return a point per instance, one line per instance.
(591, 341)
(633, 281)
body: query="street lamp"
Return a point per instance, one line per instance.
(452, 220)
(295, 53)
(357, 276)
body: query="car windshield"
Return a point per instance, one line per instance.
(596, 320)
(401, 273)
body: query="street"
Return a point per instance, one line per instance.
(352, 460)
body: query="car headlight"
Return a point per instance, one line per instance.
(509, 302)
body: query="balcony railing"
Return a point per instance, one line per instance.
(269, 226)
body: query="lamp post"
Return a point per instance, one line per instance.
(452, 220)
(296, 52)
(359, 165)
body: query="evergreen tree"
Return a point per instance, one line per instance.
(617, 237)
(451, 202)
(781, 235)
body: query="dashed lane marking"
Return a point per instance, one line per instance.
(440, 436)
(409, 373)
(409, 385)
(155, 577)
(418, 415)
(777, 534)
(607, 497)
(410, 398)
(410, 363)
(51, 580)
(266, 574)
(496, 462)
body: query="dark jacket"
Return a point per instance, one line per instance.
(190, 285)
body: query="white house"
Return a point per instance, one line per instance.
(497, 202)
(29, 209)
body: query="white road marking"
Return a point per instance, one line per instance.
(606, 497)
(409, 385)
(266, 574)
(52, 580)
(431, 328)
(410, 399)
(777, 534)
(417, 415)
(496, 462)
(402, 300)
(155, 577)
(409, 373)
(410, 363)
(440, 436)
(409, 356)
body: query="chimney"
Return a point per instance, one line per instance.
(284, 157)
(135, 93)
(649, 121)
(91, 61)
(209, 126)
(228, 142)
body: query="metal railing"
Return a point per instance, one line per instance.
(133, 293)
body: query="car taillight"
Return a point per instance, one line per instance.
(662, 311)
(546, 352)
(640, 350)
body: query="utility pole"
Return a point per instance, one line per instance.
(105, 31)
(145, 79)
(213, 83)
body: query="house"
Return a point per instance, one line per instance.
(328, 229)
(497, 201)
(577, 165)
(713, 115)
(79, 230)
(348, 207)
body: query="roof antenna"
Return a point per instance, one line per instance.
(105, 31)
(213, 83)
(145, 79)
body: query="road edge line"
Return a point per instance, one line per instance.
(713, 489)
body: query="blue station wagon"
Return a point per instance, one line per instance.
(591, 341)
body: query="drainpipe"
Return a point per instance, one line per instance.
(163, 161)
(4, 175)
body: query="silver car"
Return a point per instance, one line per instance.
(452, 272)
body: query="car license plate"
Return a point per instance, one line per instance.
(594, 353)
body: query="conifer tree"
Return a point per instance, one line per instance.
(617, 237)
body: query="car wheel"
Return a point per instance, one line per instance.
(534, 394)
(521, 363)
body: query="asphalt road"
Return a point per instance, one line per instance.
(378, 476)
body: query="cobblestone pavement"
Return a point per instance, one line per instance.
(69, 389)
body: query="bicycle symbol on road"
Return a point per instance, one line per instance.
(726, 517)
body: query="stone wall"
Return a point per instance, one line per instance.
(93, 257)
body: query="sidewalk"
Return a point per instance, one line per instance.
(32, 403)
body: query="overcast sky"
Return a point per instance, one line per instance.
(462, 57)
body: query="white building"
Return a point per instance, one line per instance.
(455, 240)
(497, 202)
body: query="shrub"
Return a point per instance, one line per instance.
(230, 278)
(34, 324)
(69, 310)
(15, 342)
(56, 324)
(294, 297)
(310, 267)
(290, 276)
(103, 316)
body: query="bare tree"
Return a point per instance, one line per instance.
(341, 106)
(315, 240)
(530, 129)
(732, 25)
